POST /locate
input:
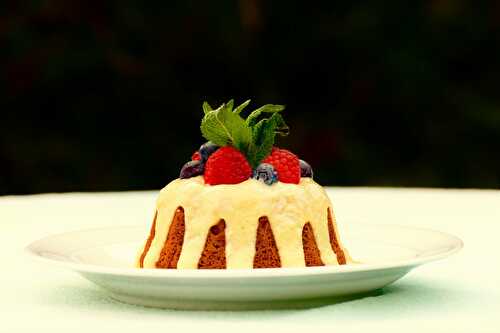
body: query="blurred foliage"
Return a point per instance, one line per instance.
(106, 95)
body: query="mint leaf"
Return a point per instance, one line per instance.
(229, 105)
(266, 129)
(264, 133)
(224, 127)
(212, 131)
(206, 107)
(241, 107)
(240, 133)
(268, 108)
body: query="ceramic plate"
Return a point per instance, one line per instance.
(105, 257)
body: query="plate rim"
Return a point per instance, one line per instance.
(31, 252)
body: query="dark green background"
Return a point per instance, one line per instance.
(106, 95)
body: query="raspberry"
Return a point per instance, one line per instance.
(227, 166)
(196, 156)
(286, 164)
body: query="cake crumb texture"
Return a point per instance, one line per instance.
(214, 252)
(172, 248)
(266, 252)
(312, 255)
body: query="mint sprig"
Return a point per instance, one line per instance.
(253, 136)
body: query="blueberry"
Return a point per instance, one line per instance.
(207, 149)
(305, 169)
(265, 173)
(192, 169)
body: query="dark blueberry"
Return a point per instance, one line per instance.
(265, 173)
(192, 169)
(207, 149)
(305, 169)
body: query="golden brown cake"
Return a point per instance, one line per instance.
(230, 209)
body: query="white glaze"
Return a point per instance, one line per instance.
(287, 206)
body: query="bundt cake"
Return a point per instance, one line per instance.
(242, 203)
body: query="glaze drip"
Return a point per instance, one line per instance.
(287, 207)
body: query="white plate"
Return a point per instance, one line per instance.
(105, 256)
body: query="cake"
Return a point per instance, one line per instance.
(242, 202)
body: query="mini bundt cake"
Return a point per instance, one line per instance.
(242, 203)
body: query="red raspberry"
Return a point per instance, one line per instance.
(196, 156)
(286, 164)
(227, 166)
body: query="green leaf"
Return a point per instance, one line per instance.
(264, 133)
(206, 107)
(268, 108)
(223, 127)
(281, 128)
(229, 105)
(212, 131)
(239, 132)
(241, 107)
(251, 155)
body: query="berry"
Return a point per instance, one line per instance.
(196, 156)
(207, 149)
(192, 169)
(286, 164)
(305, 169)
(265, 173)
(227, 166)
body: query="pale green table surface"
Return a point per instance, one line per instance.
(458, 294)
